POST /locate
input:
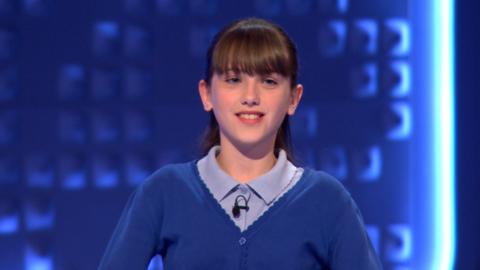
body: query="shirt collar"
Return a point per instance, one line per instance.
(268, 185)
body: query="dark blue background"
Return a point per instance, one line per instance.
(468, 135)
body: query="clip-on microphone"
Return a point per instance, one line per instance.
(236, 208)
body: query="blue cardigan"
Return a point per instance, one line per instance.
(315, 225)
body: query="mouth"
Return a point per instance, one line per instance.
(250, 117)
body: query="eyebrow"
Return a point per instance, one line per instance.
(231, 70)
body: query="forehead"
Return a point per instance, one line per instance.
(279, 78)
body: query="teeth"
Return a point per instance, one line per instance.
(249, 116)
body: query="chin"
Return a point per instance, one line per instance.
(251, 142)
(248, 139)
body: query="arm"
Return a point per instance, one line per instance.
(134, 240)
(350, 245)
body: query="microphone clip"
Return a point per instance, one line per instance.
(236, 207)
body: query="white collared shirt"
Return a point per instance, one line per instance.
(261, 192)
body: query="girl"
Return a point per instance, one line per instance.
(244, 205)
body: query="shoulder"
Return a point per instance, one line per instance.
(325, 184)
(325, 191)
(168, 175)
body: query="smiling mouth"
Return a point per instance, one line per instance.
(250, 116)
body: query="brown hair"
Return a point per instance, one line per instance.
(252, 46)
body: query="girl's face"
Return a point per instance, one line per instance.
(249, 109)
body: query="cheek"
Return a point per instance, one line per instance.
(221, 106)
(220, 102)
(281, 104)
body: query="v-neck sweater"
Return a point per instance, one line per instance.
(258, 194)
(315, 225)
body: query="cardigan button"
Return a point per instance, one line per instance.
(242, 241)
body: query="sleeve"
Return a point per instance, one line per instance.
(350, 245)
(134, 239)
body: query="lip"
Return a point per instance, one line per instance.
(250, 121)
(250, 112)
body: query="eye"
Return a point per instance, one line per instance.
(270, 82)
(232, 79)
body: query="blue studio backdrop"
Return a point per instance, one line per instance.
(96, 95)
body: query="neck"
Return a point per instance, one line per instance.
(245, 164)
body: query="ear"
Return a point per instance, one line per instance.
(295, 99)
(204, 92)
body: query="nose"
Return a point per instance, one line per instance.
(251, 95)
